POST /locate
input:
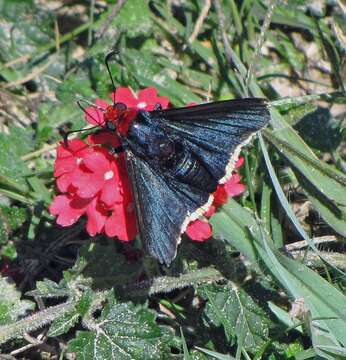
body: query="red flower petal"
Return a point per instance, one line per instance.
(68, 209)
(110, 193)
(147, 99)
(148, 94)
(88, 184)
(210, 212)
(122, 223)
(220, 196)
(74, 146)
(94, 116)
(98, 161)
(125, 96)
(199, 230)
(101, 103)
(233, 187)
(64, 182)
(239, 162)
(97, 217)
(68, 157)
(64, 165)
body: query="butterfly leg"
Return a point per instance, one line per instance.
(116, 150)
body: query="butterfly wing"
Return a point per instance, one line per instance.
(217, 131)
(164, 207)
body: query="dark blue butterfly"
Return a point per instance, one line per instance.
(177, 157)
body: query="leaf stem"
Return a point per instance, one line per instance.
(166, 284)
(34, 321)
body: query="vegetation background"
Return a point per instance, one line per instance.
(271, 284)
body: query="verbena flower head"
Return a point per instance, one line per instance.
(94, 183)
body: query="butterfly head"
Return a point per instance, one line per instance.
(119, 117)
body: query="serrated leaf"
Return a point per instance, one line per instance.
(11, 307)
(50, 289)
(241, 316)
(123, 331)
(11, 218)
(63, 324)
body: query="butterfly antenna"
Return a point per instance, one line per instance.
(65, 134)
(79, 103)
(107, 60)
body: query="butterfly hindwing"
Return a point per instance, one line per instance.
(162, 206)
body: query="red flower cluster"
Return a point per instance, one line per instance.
(95, 183)
(200, 230)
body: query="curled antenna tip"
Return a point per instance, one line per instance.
(64, 134)
(111, 54)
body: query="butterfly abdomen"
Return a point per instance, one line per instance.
(190, 170)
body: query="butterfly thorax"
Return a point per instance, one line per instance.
(150, 140)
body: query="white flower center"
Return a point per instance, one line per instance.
(108, 175)
(79, 160)
(142, 105)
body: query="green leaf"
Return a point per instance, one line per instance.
(215, 354)
(11, 218)
(76, 86)
(64, 323)
(296, 113)
(11, 307)
(324, 185)
(148, 72)
(106, 267)
(53, 115)
(284, 317)
(40, 191)
(12, 169)
(69, 319)
(133, 18)
(323, 300)
(23, 28)
(239, 314)
(50, 289)
(284, 45)
(123, 331)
